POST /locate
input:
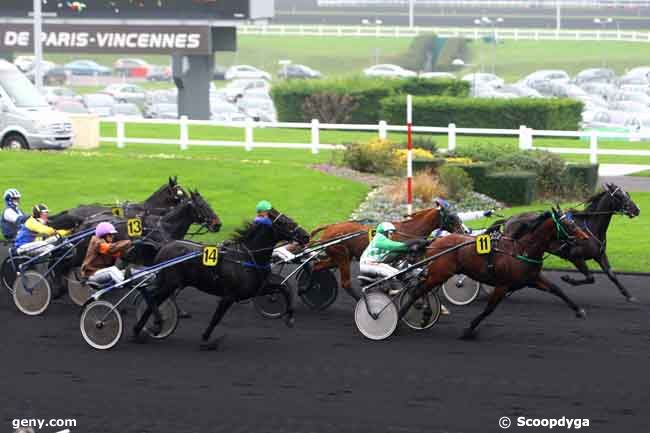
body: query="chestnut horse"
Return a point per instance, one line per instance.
(419, 224)
(514, 263)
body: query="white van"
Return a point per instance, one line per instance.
(26, 119)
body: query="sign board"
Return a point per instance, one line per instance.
(145, 9)
(123, 39)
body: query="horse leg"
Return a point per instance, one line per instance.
(581, 265)
(603, 261)
(289, 318)
(546, 285)
(496, 297)
(182, 314)
(153, 301)
(224, 304)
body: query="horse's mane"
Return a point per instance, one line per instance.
(242, 232)
(418, 213)
(592, 202)
(529, 226)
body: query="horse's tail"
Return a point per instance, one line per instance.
(318, 230)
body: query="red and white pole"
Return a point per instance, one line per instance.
(409, 153)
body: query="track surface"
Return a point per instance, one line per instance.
(532, 358)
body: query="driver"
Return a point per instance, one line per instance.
(102, 253)
(35, 235)
(12, 216)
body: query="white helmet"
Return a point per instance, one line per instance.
(11, 194)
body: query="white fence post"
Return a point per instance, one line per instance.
(593, 147)
(529, 138)
(523, 143)
(248, 132)
(185, 133)
(315, 135)
(119, 125)
(383, 130)
(451, 137)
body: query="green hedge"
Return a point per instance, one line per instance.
(515, 188)
(581, 178)
(477, 171)
(290, 95)
(536, 113)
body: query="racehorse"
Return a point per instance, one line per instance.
(168, 195)
(594, 220)
(514, 262)
(242, 272)
(419, 224)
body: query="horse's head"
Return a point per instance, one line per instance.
(622, 202)
(566, 226)
(286, 229)
(175, 192)
(203, 213)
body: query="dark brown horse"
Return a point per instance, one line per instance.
(514, 263)
(595, 220)
(419, 224)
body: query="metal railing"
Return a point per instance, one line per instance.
(469, 33)
(525, 136)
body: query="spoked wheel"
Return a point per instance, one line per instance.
(8, 271)
(273, 305)
(424, 313)
(168, 312)
(32, 294)
(317, 290)
(387, 316)
(461, 290)
(79, 292)
(101, 325)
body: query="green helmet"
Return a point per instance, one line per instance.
(384, 228)
(263, 206)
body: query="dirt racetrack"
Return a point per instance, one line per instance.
(532, 358)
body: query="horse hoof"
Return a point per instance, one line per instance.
(581, 314)
(212, 345)
(184, 315)
(632, 299)
(468, 334)
(565, 278)
(290, 321)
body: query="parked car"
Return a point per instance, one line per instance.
(55, 94)
(604, 90)
(237, 88)
(52, 75)
(595, 75)
(520, 90)
(162, 110)
(483, 78)
(131, 67)
(246, 71)
(628, 107)
(292, 71)
(641, 72)
(126, 93)
(99, 103)
(607, 120)
(71, 106)
(642, 98)
(128, 110)
(548, 74)
(260, 109)
(446, 75)
(226, 112)
(86, 67)
(159, 73)
(24, 63)
(543, 87)
(26, 119)
(567, 90)
(219, 73)
(388, 71)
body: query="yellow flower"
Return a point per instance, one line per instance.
(418, 153)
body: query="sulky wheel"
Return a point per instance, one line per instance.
(101, 325)
(8, 271)
(424, 313)
(272, 305)
(78, 291)
(317, 290)
(32, 294)
(383, 325)
(169, 312)
(461, 290)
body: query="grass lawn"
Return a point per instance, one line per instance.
(645, 173)
(515, 59)
(626, 249)
(231, 180)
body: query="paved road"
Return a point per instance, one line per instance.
(532, 358)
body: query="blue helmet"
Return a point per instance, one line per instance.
(11, 194)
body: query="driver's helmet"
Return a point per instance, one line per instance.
(385, 228)
(442, 203)
(104, 229)
(263, 206)
(10, 195)
(39, 209)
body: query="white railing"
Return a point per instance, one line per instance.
(491, 3)
(524, 134)
(447, 32)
